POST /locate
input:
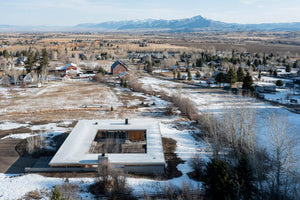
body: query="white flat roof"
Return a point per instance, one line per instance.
(75, 149)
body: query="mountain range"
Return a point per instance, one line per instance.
(197, 23)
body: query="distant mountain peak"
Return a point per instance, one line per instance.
(196, 23)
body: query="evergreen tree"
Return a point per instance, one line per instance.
(199, 62)
(25, 53)
(231, 76)
(36, 55)
(29, 63)
(174, 73)
(198, 75)
(220, 78)
(178, 75)
(56, 194)
(288, 68)
(259, 74)
(5, 54)
(248, 63)
(279, 83)
(18, 54)
(264, 60)
(295, 65)
(240, 74)
(189, 75)
(270, 72)
(256, 63)
(275, 73)
(245, 181)
(217, 180)
(43, 68)
(247, 83)
(102, 71)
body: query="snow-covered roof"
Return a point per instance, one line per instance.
(66, 66)
(75, 149)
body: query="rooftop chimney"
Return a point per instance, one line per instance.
(126, 121)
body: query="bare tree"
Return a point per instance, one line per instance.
(283, 141)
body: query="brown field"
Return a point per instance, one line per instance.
(285, 43)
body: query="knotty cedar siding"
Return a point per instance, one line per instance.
(118, 68)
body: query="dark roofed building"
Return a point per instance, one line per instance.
(118, 68)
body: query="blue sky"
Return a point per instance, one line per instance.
(72, 12)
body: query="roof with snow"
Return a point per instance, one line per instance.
(75, 149)
(66, 66)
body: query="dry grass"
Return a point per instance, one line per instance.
(59, 101)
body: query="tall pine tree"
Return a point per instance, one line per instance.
(247, 83)
(189, 75)
(245, 181)
(217, 180)
(240, 74)
(29, 62)
(231, 76)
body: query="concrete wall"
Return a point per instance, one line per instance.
(141, 169)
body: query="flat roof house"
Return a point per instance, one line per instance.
(135, 146)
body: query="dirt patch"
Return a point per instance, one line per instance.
(40, 122)
(10, 161)
(171, 158)
(14, 157)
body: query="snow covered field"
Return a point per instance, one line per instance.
(186, 148)
(212, 101)
(216, 101)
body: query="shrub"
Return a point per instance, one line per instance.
(197, 164)
(56, 193)
(217, 180)
(279, 83)
(111, 182)
(186, 106)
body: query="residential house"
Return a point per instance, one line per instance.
(118, 68)
(70, 69)
(139, 147)
(264, 87)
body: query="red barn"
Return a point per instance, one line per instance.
(118, 68)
